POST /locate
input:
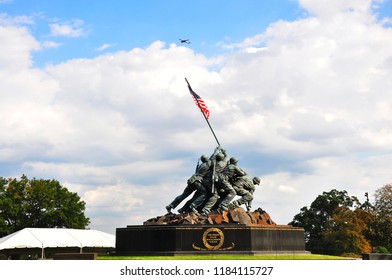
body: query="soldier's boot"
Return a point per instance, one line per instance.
(221, 209)
(169, 208)
(235, 204)
(193, 209)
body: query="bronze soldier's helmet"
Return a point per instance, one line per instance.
(233, 160)
(204, 158)
(220, 157)
(256, 180)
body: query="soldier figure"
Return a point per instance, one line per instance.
(245, 187)
(194, 183)
(225, 177)
(218, 166)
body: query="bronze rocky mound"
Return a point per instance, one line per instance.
(235, 216)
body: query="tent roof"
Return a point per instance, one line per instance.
(57, 237)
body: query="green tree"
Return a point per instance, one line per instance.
(38, 203)
(383, 218)
(317, 218)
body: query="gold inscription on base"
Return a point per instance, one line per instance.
(213, 239)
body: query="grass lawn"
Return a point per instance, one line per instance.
(226, 257)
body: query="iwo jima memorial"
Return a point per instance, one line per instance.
(217, 219)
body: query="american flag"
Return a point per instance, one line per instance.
(200, 103)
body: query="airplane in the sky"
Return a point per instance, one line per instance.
(186, 41)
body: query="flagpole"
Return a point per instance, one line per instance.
(205, 117)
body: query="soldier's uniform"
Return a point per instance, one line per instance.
(219, 164)
(225, 177)
(194, 183)
(245, 187)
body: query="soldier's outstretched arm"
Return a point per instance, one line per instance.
(217, 150)
(241, 172)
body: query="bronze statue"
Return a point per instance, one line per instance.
(199, 182)
(215, 184)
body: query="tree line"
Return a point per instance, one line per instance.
(338, 224)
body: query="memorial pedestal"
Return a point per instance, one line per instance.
(209, 239)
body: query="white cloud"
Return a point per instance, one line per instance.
(5, 19)
(74, 28)
(105, 47)
(117, 198)
(16, 45)
(287, 189)
(325, 8)
(50, 44)
(312, 94)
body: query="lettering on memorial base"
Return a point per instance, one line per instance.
(213, 239)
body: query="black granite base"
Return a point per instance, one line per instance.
(209, 239)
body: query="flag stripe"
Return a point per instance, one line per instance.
(200, 103)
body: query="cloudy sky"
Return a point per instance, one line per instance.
(93, 95)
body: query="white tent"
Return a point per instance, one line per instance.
(56, 238)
